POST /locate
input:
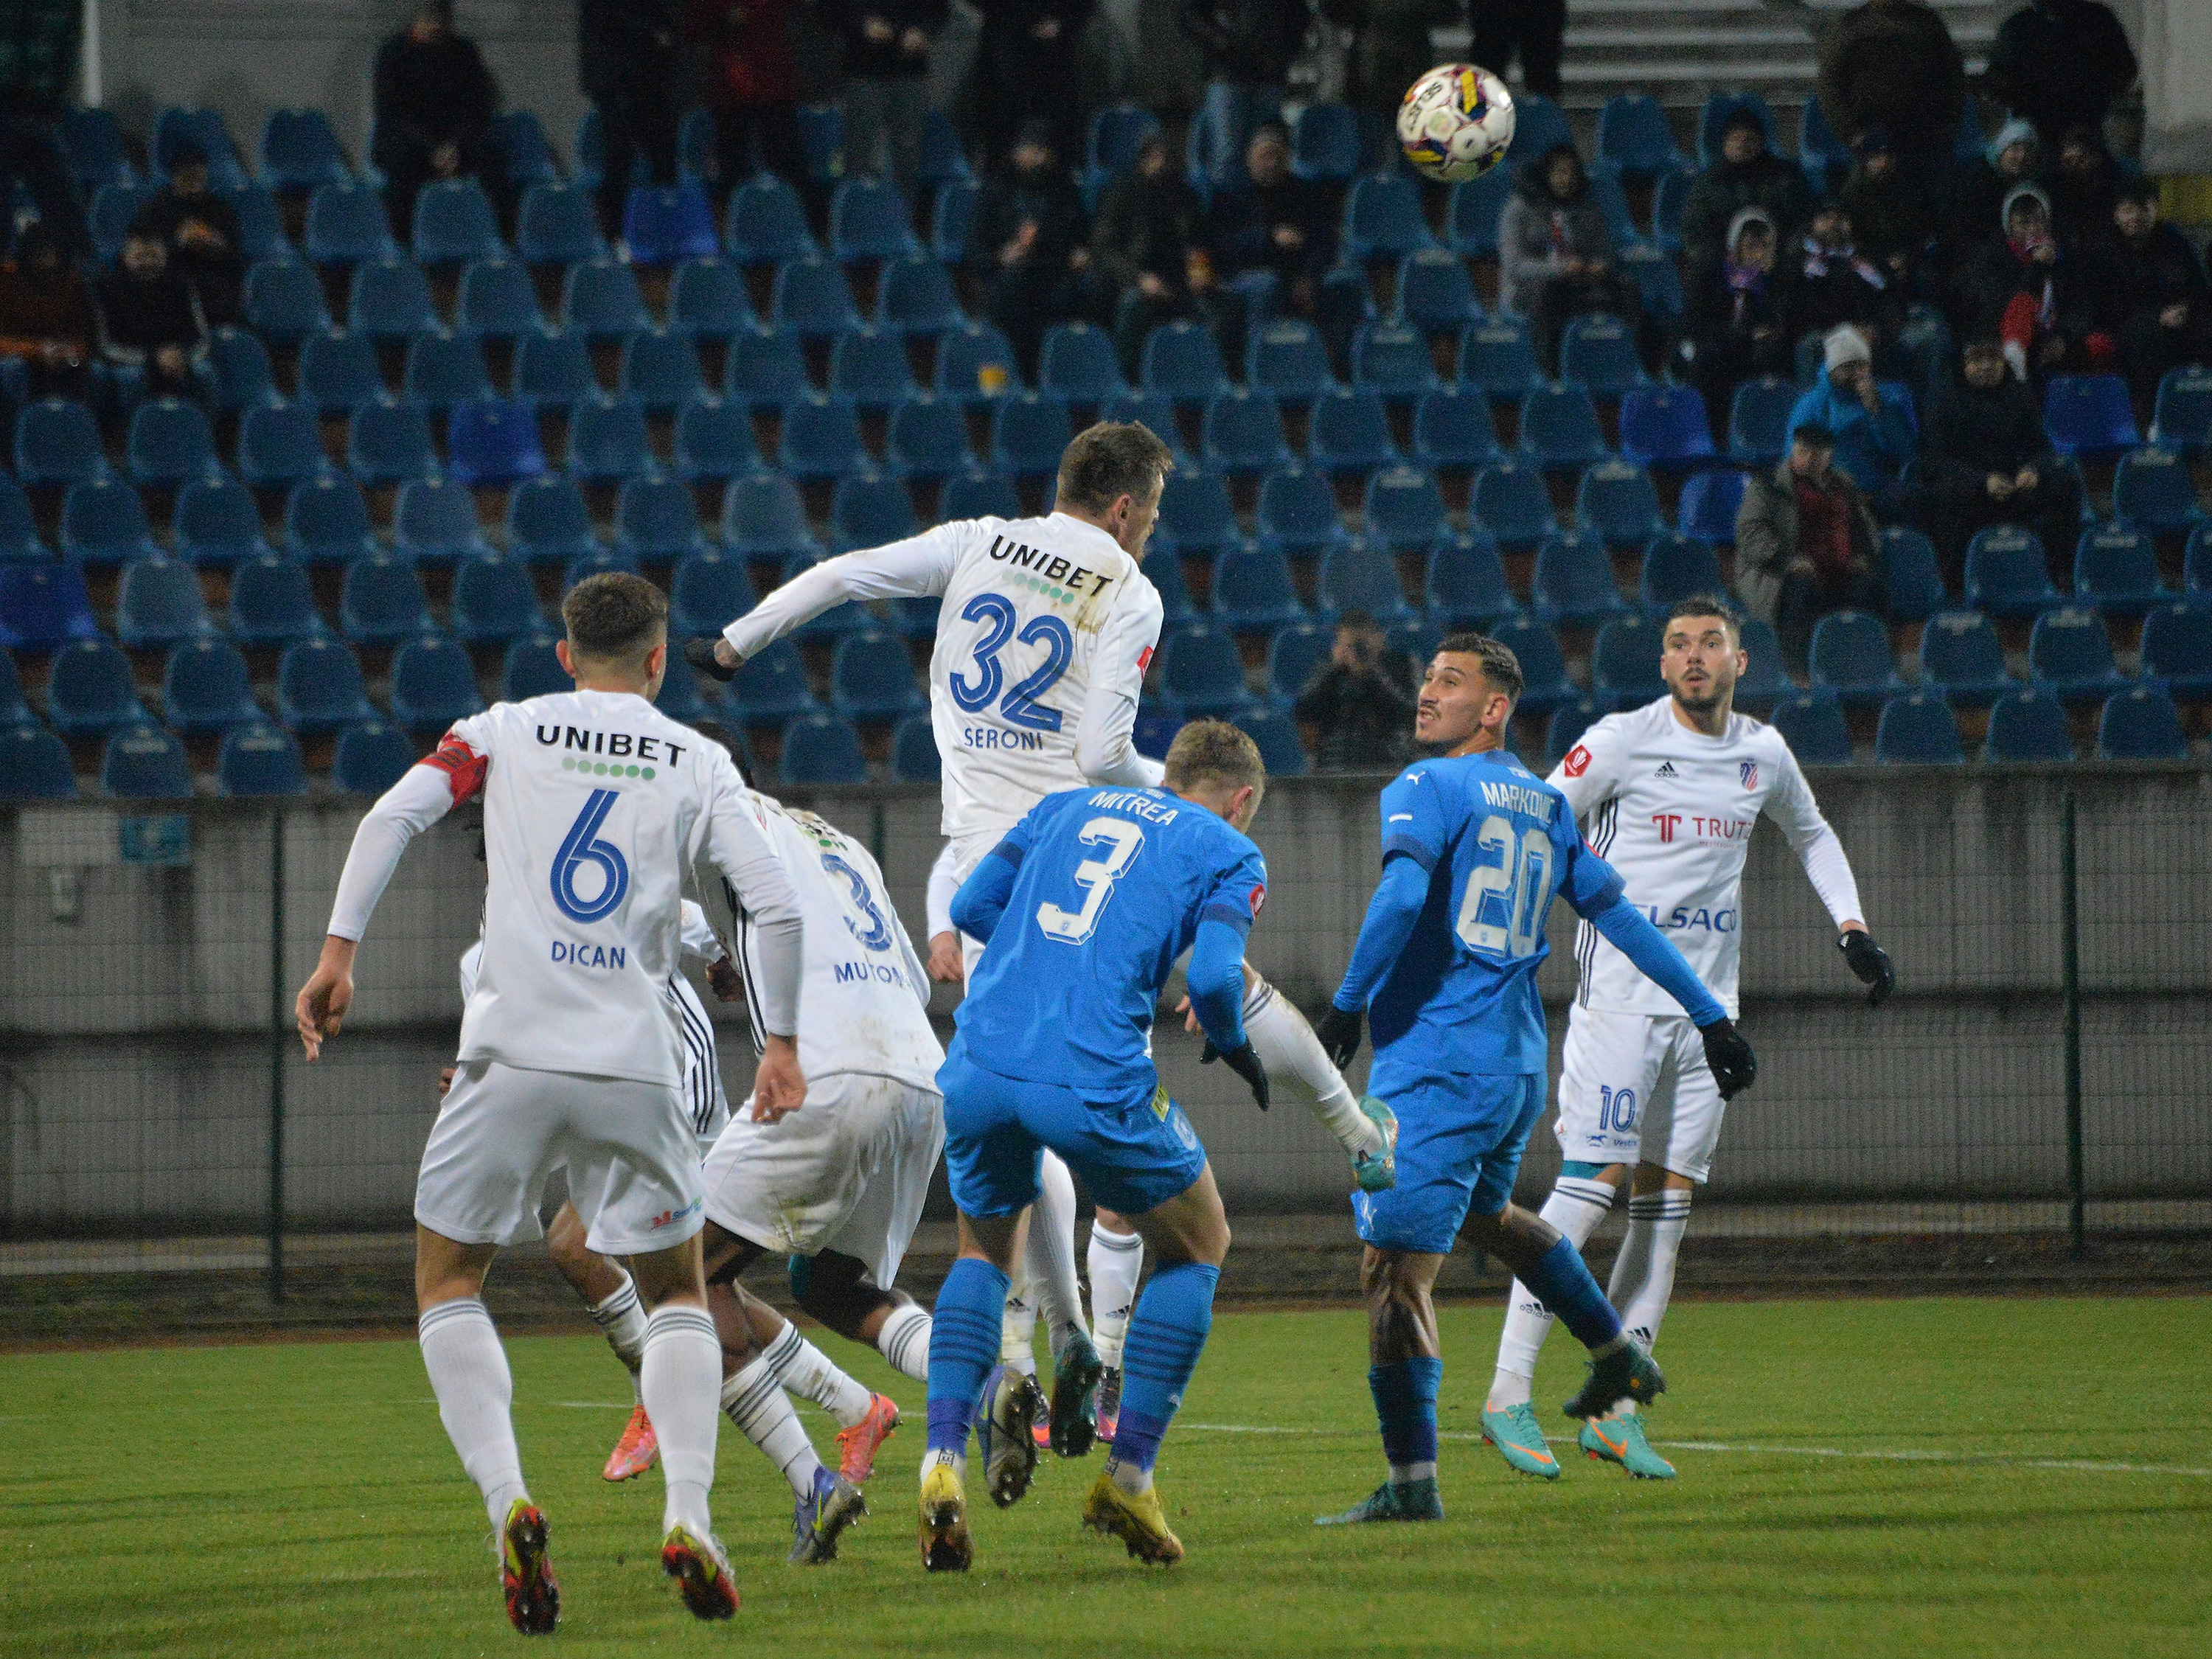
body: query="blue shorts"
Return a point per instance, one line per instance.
(1132, 1156)
(1459, 1141)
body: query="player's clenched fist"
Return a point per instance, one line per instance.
(946, 964)
(1339, 1030)
(1734, 1068)
(324, 999)
(779, 1087)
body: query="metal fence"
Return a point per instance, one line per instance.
(2041, 1069)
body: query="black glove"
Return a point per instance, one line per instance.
(1871, 964)
(1734, 1068)
(1340, 1034)
(1245, 1064)
(700, 653)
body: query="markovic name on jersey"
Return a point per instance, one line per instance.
(1538, 804)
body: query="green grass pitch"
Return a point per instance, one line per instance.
(1922, 1477)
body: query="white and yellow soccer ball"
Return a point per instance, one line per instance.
(1456, 123)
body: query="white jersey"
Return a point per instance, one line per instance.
(863, 1000)
(1673, 811)
(1046, 628)
(705, 1103)
(596, 807)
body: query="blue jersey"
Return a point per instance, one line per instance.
(1498, 843)
(1109, 887)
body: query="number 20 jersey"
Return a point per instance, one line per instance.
(1498, 843)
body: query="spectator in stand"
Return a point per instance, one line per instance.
(149, 317)
(1746, 174)
(1979, 188)
(1987, 460)
(1390, 50)
(2083, 185)
(1835, 283)
(1738, 322)
(1029, 67)
(1147, 240)
(1535, 28)
(2059, 64)
(31, 160)
(752, 87)
(1806, 543)
(1026, 251)
(2152, 292)
(1893, 66)
(1555, 254)
(1273, 221)
(1869, 422)
(1893, 221)
(887, 44)
(201, 231)
(1360, 701)
(47, 320)
(2035, 293)
(434, 101)
(629, 63)
(1249, 46)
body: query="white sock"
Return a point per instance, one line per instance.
(1116, 1261)
(678, 1380)
(1404, 1474)
(806, 1372)
(1127, 1476)
(622, 1318)
(1051, 1256)
(476, 1391)
(1644, 1271)
(756, 1403)
(904, 1340)
(1018, 1324)
(932, 1457)
(1288, 1048)
(1577, 1205)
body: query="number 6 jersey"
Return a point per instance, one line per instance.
(1042, 645)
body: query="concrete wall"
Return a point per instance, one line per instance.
(135, 1028)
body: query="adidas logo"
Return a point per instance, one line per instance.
(1666, 769)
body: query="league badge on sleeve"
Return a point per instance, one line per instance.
(1579, 760)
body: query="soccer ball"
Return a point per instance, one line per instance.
(1456, 123)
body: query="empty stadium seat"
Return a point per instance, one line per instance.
(1763, 681)
(1295, 652)
(765, 367)
(1918, 729)
(1466, 586)
(498, 300)
(770, 688)
(1030, 431)
(1598, 351)
(1349, 431)
(1665, 427)
(1243, 433)
(2153, 491)
(821, 438)
(1813, 726)
(390, 300)
(1286, 357)
(1618, 503)
(43, 605)
(1392, 359)
(435, 521)
(1633, 136)
(237, 369)
(284, 300)
(1383, 219)
(454, 223)
(869, 220)
(2088, 416)
(869, 509)
(1568, 723)
(822, 749)
(2141, 723)
(444, 368)
(1453, 429)
(553, 369)
(1277, 739)
(1497, 358)
(975, 363)
(1476, 206)
(708, 299)
(372, 755)
(1543, 665)
(2116, 570)
(2183, 417)
(1759, 421)
(258, 761)
(812, 297)
(159, 603)
(532, 668)
(1675, 567)
(548, 522)
(89, 690)
(337, 371)
(870, 678)
(661, 369)
(1298, 511)
(1405, 512)
(1510, 502)
(713, 440)
(599, 300)
(1710, 503)
(1357, 577)
(2177, 649)
(2070, 651)
(216, 523)
(767, 222)
(1962, 655)
(1201, 674)
(1252, 590)
(346, 225)
(271, 602)
(1625, 662)
(319, 687)
(762, 517)
(494, 600)
(144, 762)
(1850, 658)
(391, 441)
(492, 441)
(608, 441)
(557, 224)
(709, 591)
(1196, 513)
(950, 219)
(2028, 726)
(432, 684)
(382, 601)
(1559, 428)
(1914, 584)
(1574, 581)
(926, 438)
(869, 366)
(19, 532)
(56, 443)
(1182, 361)
(1435, 292)
(2006, 574)
(34, 765)
(104, 522)
(326, 520)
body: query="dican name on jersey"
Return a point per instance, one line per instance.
(639, 754)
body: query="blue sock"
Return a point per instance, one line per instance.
(963, 1342)
(1406, 1406)
(1158, 1357)
(1562, 1282)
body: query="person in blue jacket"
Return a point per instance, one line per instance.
(1875, 430)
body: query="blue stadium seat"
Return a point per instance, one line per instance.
(1466, 586)
(92, 147)
(679, 697)
(432, 684)
(1625, 662)
(1405, 511)
(326, 520)
(713, 440)
(390, 300)
(1668, 198)
(1195, 512)
(372, 755)
(2177, 649)
(709, 300)
(980, 494)
(948, 221)
(1915, 585)
(1297, 650)
(1243, 433)
(1383, 219)
(19, 531)
(271, 602)
(771, 686)
(216, 523)
(822, 749)
(1030, 431)
(2116, 570)
(382, 602)
(1543, 665)
(870, 678)
(709, 590)
(1598, 351)
(1202, 674)
(2070, 650)
(176, 126)
(1153, 410)
(821, 438)
(144, 762)
(869, 220)
(43, 605)
(607, 440)
(553, 369)
(975, 363)
(454, 223)
(1710, 503)
(926, 438)
(1498, 359)
(1574, 581)
(89, 690)
(390, 442)
(940, 158)
(1392, 359)
(762, 517)
(1358, 577)
(493, 600)
(319, 686)
(284, 300)
(767, 223)
(2028, 726)
(2088, 416)
(1559, 426)
(205, 688)
(493, 441)
(869, 509)
(914, 297)
(765, 367)
(1633, 136)
(1277, 739)
(34, 764)
(1618, 503)
(2153, 491)
(104, 522)
(1453, 429)
(548, 522)
(1286, 356)
(531, 668)
(599, 300)
(1674, 568)
(869, 366)
(261, 222)
(697, 144)
(1658, 285)
(1325, 145)
(1298, 511)
(498, 300)
(1477, 204)
(238, 370)
(1510, 502)
(1666, 426)
(2141, 723)
(1918, 729)
(1349, 431)
(1182, 361)
(1252, 590)
(1813, 726)
(1759, 421)
(56, 443)
(660, 370)
(1568, 723)
(1961, 654)
(346, 226)
(434, 522)
(2183, 417)
(2006, 574)
(260, 762)
(1851, 659)
(445, 368)
(338, 372)
(664, 225)
(812, 297)
(159, 603)
(1435, 292)
(914, 752)
(527, 152)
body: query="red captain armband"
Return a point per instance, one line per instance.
(464, 767)
(1578, 760)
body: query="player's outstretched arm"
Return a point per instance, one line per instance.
(1391, 914)
(1798, 816)
(919, 566)
(946, 963)
(982, 900)
(1105, 739)
(738, 841)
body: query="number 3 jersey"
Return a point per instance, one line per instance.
(1498, 843)
(1109, 888)
(1673, 809)
(1042, 642)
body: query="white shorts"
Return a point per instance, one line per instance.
(1635, 1088)
(633, 1160)
(848, 1171)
